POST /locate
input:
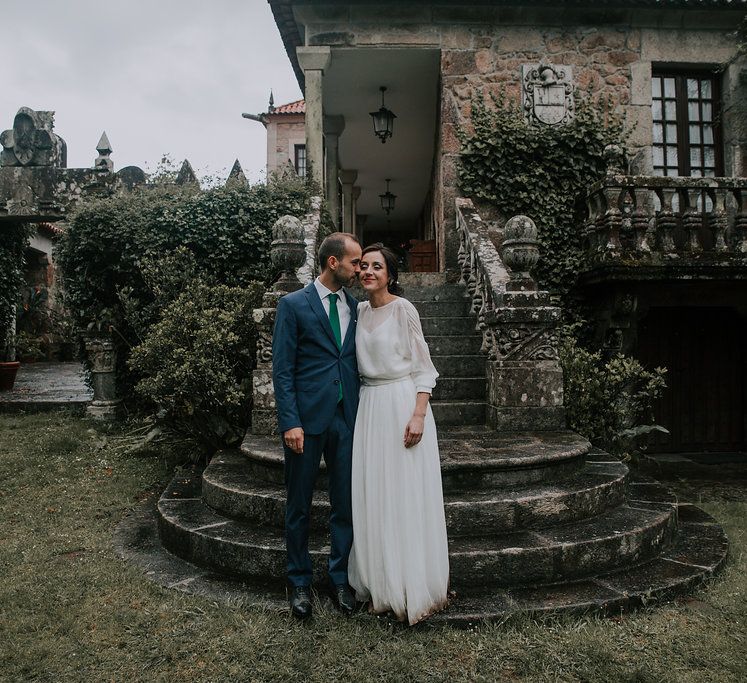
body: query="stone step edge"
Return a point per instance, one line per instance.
(274, 459)
(136, 541)
(318, 542)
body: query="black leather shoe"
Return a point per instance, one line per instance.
(344, 598)
(300, 602)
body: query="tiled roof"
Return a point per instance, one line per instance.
(297, 107)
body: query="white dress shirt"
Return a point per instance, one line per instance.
(343, 310)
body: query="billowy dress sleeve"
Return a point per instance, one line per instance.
(422, 370)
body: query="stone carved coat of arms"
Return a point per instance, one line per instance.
(547, 93)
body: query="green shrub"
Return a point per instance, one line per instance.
(13, 241)
(195, 363)
(114, 251)
(609, 402)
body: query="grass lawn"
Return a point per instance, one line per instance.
(71, 610)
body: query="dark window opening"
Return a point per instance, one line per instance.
(299, 161)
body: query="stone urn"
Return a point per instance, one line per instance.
(520, 252)
(287, 253)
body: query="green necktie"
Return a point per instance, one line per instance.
(334, 321)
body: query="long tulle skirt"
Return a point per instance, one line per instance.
(399, 560)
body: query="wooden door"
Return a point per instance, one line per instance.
(703, 405)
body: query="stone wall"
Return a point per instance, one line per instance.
(611, 52)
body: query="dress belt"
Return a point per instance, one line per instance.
(371, 382)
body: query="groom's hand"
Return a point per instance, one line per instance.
(293, 438)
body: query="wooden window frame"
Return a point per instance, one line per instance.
(680, 76)
(296, 150)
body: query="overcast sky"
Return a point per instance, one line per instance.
(159, 76)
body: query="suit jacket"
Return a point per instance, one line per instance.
(307, 366)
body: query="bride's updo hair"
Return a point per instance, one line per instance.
(391, 266)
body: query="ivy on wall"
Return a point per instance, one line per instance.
(542, 172)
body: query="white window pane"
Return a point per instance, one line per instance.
(695, 173)
(709, 157)
(656, 110)
(658, 156)
(656, 87)
(695, 134)
(669, 87)
(692, 88)
(695, 157)
(692, 111)
(670, 108)
(672, 157)
(707, 111)
(708, 135)
(671, 133)
(710, 173)
(705, 89)
(658, 132)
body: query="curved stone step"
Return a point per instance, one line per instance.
(471, 458)
(230, 488)
(618, 537)
(698, 551)
(623, 536)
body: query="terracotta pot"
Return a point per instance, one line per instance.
(8, 372)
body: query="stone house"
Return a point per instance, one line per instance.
(286, 136)
(667, 235)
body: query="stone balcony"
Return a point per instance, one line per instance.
(665, 228)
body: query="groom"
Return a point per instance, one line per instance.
(315, 375)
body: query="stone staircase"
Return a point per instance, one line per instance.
(537, 522)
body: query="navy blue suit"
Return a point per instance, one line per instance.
(307, 369)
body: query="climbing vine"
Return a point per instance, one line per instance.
(542, 172)
(13, 241)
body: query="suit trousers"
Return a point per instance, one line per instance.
(336, 444)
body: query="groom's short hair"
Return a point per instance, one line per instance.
(334, 245)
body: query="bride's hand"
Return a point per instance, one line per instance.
(414, 430)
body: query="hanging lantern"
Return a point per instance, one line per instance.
(387, 199)
(383, 120)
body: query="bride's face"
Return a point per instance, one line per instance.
(374, 275)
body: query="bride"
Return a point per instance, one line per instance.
(399, 561)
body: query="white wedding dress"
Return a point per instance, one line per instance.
(399, 560)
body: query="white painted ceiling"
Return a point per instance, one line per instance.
(351, 89)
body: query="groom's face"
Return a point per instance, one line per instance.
(349, 266)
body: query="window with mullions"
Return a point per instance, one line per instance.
(686, 138)
(300, 160)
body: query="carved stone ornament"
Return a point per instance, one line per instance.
(31, 141)
(547, 93)
(526, 343)
(520, 251)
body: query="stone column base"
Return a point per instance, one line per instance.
(104, 410)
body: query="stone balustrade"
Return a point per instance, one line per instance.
(652, 219)
(518, 324)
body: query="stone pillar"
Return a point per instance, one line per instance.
(347, 178)
(360, 225)
(313, 61)
(356, 193)
(333, 127)
(525, 382)
(288, 252)
(102, 354)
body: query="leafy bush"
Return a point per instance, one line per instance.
(540, 171)
(195, 363)
(115, 254)
(13, 241)
(610, 403)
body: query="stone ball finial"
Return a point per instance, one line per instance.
(287, 252)
(520, 252)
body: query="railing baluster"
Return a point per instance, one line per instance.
(666, 221)
(740, 220)
(717, 219)
(692, 218)
(640, 219)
